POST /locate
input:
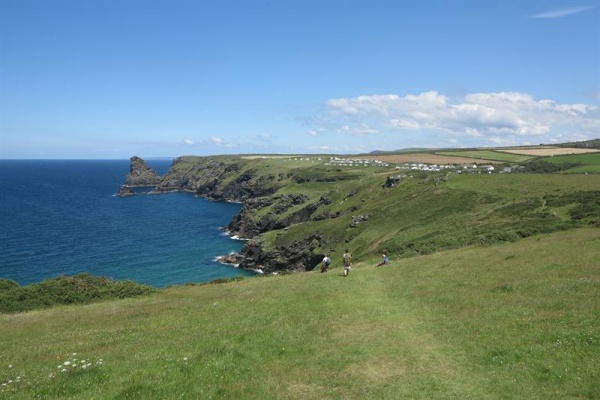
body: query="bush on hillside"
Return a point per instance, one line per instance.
(6, 284)
(78, 289)
(586, 204)
(544, 167)
(587, 144)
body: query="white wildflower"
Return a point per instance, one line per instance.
(67, 363)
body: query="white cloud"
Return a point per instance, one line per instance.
(218, 141)
(260, 138)
(360, 129)
(563, 12)
(189, 141)
(252, 141)
(322, 149)
(493, 117)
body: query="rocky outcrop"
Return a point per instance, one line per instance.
(356, 220)
(250, 222)
(141, 174)
(391, 181)
(247, 224)
(297, 257)
(217, 180)
(125, 191)
(231, 258)
(200, 174)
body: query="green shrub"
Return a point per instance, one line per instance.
(7, 284)
(78, 289)
(544, 167)
(588, 205)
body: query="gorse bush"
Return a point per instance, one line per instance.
(78, 289)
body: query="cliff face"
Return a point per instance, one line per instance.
(266, 209)
(251, 221)
(298, 257)
(218, 180)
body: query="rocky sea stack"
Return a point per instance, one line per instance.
(140, 175)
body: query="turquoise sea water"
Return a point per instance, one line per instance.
(62, 218)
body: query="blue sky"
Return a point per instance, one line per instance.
(106, 79)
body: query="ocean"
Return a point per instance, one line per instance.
(63, 218)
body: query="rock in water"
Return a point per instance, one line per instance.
(140, 174)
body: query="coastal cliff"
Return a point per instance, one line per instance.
(296, 209)
(251, 183)
(217, 178)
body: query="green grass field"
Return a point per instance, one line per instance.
(516, 320)
(585, 159)
(590, 162)
(487, 155)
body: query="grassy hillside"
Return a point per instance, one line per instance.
(423, 212)
(515, 320)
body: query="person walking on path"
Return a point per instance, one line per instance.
(325, 263)
(347, 261)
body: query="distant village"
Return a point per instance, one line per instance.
(414, 166)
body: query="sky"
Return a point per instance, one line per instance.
(110, 79)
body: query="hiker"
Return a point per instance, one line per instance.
(347, 262)
(325, 263)
(384, 259)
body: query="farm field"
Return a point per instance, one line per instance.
(585, 159)
(545, 152)
(428, 158)
(490, 155)
(588, 163)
